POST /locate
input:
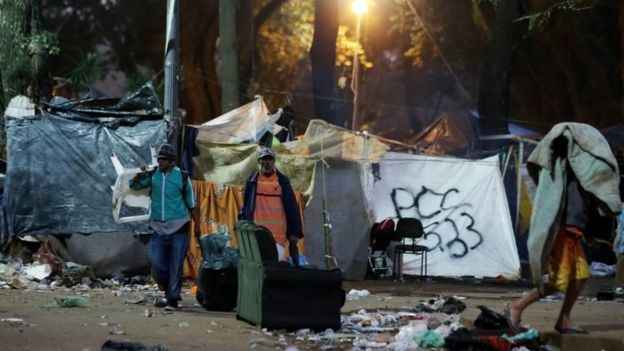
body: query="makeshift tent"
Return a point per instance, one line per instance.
(247, 123)
(234, 163)
(462, 205)
(227, 165)
(59, 171)
(453, 133)
(324, 140)
(338, 191)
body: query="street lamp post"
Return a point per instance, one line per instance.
(359, 7)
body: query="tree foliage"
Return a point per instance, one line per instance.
(568, 67)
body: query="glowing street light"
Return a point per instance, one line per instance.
(359, 7)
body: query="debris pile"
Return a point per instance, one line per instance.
(14, 274)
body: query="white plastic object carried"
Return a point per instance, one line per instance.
(124, 196)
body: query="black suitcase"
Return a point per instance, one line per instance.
(217, 288)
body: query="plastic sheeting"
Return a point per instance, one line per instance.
(324, 140)
(217, 252)
(462, 206)
(60, 173)
(450, 134)
(247, 123)
(341, 188)
(234, 163)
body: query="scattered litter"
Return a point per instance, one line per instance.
(136, 301)
(13, 320)
(112, 345)
(149, 312)
(83, 288)
(558, 296)
(530, 334)
(253, 343)
(601, 270)
(38, 271)
(605, 296)
(303, 332)
(116, 331)
(363, 343)
(74, 273)
(67, 302)
(357, 294)
(184, 325)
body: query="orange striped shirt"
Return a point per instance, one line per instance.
(269, 210)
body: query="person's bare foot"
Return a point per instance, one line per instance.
(571, 329)
(512, 314)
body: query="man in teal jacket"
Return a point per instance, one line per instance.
(172, 200)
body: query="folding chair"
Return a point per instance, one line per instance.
(409, 229)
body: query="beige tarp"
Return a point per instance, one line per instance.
(233, 164)
(324, 140)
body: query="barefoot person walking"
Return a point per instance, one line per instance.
(577, 177)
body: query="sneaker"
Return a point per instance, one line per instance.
(173, 306)
(160, 302)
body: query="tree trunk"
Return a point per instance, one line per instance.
(200, 94)
(496, 72)
(228, 62)
(19, 19)
(247, 35)
(15, 65)
(323, 59)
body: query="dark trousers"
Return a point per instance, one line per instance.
(166, 254)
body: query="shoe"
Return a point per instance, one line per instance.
(172, 306)
(160, 302)
(513, 324)
(573, 329)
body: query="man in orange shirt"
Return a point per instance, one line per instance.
(269, 200)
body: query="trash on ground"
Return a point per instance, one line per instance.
(13, 320)
(38, 271)
(67, 302)
(601, 270)
(113, 345)
(357, 294)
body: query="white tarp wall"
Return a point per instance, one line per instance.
(463, 208)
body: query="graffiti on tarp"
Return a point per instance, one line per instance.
(448, 223)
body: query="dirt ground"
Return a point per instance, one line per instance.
(107, 317)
